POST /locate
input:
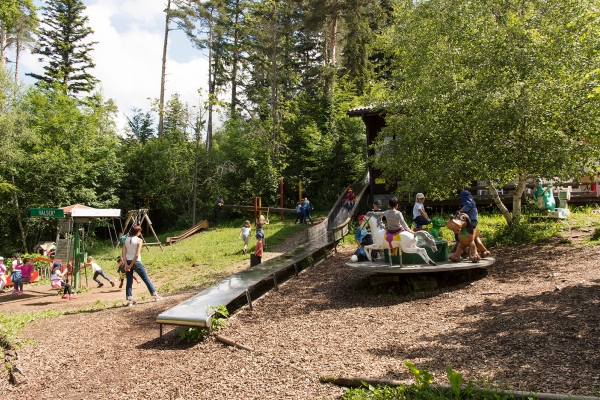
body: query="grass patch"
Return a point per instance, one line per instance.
(203, 258)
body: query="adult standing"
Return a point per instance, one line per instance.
(307, 209)
(132, 254)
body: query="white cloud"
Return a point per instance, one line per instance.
(128, 55)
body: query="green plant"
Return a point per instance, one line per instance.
(192, 334)
(596, 234)
(423, 378)
(219, 317)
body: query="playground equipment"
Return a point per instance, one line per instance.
(188, 233)
(468, 238)
(404, 241)
(70, 248)
(138, 217)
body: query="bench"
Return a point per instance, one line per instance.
(194, 312)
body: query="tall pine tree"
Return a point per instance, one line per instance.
(62, 40)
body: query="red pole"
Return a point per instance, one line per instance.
(255, 210)
(281, 196)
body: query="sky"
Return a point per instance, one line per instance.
(128, 55)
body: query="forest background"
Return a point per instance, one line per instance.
(490, 90)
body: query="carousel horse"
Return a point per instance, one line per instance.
(468, 238)
(406, 241)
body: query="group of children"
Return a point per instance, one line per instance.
(246, 231)
(22, 272)
(396, 223)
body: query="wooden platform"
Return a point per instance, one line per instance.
(382, 267)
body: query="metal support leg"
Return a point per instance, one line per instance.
(160, 331)
(275, 282)
(249, 300)
(296, 269)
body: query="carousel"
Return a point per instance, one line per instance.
(408, 252)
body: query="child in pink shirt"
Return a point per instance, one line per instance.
(26, 274)
(2, 275)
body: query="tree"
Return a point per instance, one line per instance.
(62, 40)
(489, 90)
(15, 16)
(141, 126)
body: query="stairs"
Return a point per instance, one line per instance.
(64, 250)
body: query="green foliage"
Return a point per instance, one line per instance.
(422, 390)
(423, 378)
(191, 334)
(61, 39)
(497, 233)
(488, 91)
(219, 317)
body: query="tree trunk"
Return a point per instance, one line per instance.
(521, 185)
(274, 80)
(194, 199)
(17, 56)
(2, 45)
(161, 101)
(211, 85)
(16, 200)
(333, 38)
(498, 202)
(235, 60)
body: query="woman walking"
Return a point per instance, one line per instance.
(132, 254)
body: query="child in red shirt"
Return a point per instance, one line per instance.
(258, 251)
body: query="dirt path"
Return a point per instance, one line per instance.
(42, 297)
(531, 323)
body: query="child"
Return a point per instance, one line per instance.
(122, 237)
(299, 213)
(258, 251)
(2, 275)
(262, 221)
(350, 198)
(468, 206)
(122, 273)
(420, 217)
(394, 218)
(58, 282)
(245, 234)
(98, 271)
(26, 273)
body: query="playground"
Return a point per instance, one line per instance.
(505, 328)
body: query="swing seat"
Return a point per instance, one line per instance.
(34, 277)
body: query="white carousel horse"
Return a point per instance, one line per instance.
(406, 241)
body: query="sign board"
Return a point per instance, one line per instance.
(47, 212)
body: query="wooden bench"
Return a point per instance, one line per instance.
(195, 312)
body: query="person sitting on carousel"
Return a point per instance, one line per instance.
(395, 220)
(363, 238)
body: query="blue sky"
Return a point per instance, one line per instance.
(128, 55)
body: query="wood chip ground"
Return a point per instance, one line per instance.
(531, 322)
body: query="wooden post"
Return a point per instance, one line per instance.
(281, 197)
